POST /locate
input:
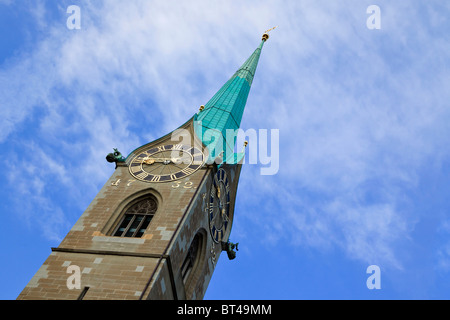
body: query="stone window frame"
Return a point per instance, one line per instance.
(119, 213)
(136, 218)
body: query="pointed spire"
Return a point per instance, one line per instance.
(225, 109)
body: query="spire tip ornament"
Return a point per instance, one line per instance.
(265, 36)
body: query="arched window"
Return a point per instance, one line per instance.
(191, 257)
(136, 219)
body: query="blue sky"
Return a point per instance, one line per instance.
(363, 118)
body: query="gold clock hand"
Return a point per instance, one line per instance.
(224, 214)
(151, 161)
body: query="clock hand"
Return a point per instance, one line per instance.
(151, 161)
(161, 159)
(176, 160)
(224, 215)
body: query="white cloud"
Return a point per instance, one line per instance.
(358, 111)
(31, 178)
(354, 121)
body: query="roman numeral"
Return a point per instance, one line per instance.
(177, 147)
(155, 179)
(161, 148)
(142, 175)
(188, 171)
(218, 235)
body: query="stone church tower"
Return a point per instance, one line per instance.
(158, 226)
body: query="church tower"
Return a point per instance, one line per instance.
(158, 226)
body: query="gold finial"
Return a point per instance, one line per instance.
(202, 107)
(245, 146)
(267, 31)
(265, 36)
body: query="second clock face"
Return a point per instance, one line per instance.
(166, 163)
(219, 206)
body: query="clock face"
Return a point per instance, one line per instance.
(219, 206)
(166, 163)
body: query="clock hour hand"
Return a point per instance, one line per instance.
(151, 161)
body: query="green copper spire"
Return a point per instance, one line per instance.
(217, 122)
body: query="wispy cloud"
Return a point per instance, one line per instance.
(359, 111)
(360, 115)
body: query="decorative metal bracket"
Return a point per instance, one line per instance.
(229, 248)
